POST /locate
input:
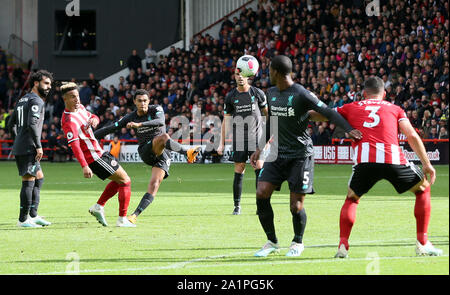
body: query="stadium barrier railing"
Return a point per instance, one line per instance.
(6, 149)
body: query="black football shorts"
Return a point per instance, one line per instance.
(402, 177)
(299, 174)
(104, 167)
(150, 158)
(27, 164)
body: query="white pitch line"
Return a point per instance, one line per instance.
(186, 264)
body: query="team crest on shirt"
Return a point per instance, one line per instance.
(69, 135)
(114, 163)
(291, 112)
(290, 100)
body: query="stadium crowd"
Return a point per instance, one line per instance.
(334, 47)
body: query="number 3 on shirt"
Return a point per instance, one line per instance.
(373, 114)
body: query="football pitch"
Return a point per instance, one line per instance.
(189, 228)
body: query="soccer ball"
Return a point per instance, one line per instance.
(247, 65)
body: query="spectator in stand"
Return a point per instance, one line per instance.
(3, 118)
(443, 134)
(85, 93)
(415, 120)
(61, 149)
(150, 55)
(134, 61)
(434, 133)
(93, 83)
(124, 134)
(115, 147)
(322, 137)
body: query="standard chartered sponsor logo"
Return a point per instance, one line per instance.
(282, 111)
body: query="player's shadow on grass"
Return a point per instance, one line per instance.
(173, 260)
(200, 249)
(403, 244)
(237, 258)
(59, 226)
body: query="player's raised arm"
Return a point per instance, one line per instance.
(318, 106)
(102, 132)
(316, 117)
(158, 121)
(93, 120)
(416, 144)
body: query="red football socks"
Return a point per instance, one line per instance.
(109, 192)
(347, 219)
(124, 198)
(422, 210)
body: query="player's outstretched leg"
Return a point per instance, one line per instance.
(346, 221)
(155, 181)
(190, 153)
(422, 212)
(265, 215)
(299, 223)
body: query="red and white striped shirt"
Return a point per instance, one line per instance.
(79, 134)
(378, 121)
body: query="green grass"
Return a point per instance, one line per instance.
(189, 229)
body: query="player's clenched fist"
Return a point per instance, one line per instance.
(93, 122)
(87, 172)
(255, 157)
(429, 172)
(39, 154)
(133, 125)
(220, 149)
(355, 134)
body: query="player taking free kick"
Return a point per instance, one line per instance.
(77, 124)
(154, 144)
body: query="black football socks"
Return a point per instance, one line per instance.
(146, 200)
(257, 171)
(237, 188)
(36, 197)
(299, 223)
(26, 197)
(265, 215)
(172, 145)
